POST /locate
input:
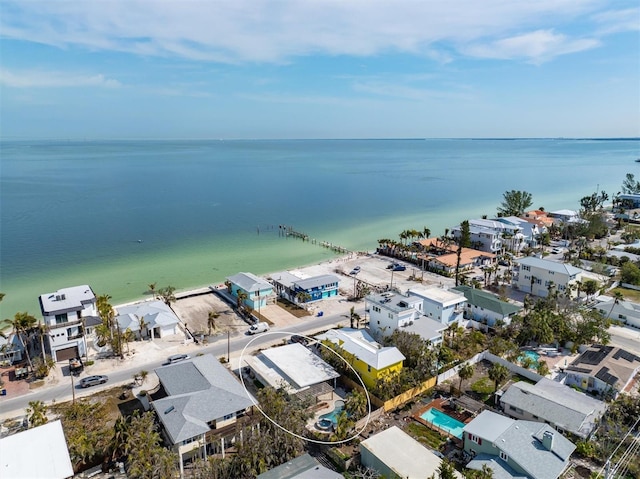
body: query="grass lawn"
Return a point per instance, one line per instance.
(426, 436)
(629, 294)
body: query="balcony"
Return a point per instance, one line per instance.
(65, 325)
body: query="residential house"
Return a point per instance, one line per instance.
(440, 304)
(564, 216)
(485, 308)
(390, 311)
(537, 276)
(40, 452)
(200, 405)
(469, 259)
(627, 312)
(516, 449)
(396, 455)
(629, 200)
(150, 319)
(371, 360)
(560, 406)
(10, 349)
(529, 229)
(539, 217)
(302, 467)
(605, 370)
(493, 236)
(294, 368)
(258, 291)
(293, 287)
(67, 313)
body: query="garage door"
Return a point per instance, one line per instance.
(67, 353)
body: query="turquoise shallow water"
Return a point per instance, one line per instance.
(73, 212)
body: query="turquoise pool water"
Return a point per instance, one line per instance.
(530, 354)
(333, 415)
(444, 422)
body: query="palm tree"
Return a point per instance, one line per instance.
(152, 289)
(241, 297)
(466, 372)
(211, 320)
(541, 368)
(426, 232)
(167, 295)
(142, 324)
(37, 414)
(617, 297)
(21, 323)
(356, 404)
(302, 297)
(498, 373)
(354, 318)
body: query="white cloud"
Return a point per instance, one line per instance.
(275, 31)
(537, 46)
(49, 79)
(615, 21)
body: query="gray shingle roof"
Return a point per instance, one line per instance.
(302, 467)
(500, 469)
(549, 265)
(556, 403)
(317, 281)
(489, 425)
(200, 390)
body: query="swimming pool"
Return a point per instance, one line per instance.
(338, 407)
(444, 422)
(535, 357)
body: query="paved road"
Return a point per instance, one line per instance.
(625, 338)
(15, 407)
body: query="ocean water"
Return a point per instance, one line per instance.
(119, 215)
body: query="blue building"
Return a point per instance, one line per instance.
(293, 288)
(258, 290)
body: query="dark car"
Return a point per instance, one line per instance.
(299, 339)
(93, 381)
(399, 267)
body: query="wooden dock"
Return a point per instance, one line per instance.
(288, 231)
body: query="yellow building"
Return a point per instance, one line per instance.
(368, 358)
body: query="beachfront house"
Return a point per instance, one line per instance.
(538, 276)
(301, 467)
(148, 320)
(200, 405)
(294, 368)
(299, 289)
(529, 229)
(485, 309)
(624, 311)
(257, 292)
(392, 453)
(10, 349)
(563, 408)
(603, 370)
(448, 262)
(440, 304)
(492, 236)
(67, 312)
(515, 448)
(372, 361)
(39, 452)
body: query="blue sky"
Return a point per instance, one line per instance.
(319, 69)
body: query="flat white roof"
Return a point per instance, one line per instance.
(67, 299)
(299, 365)
(401, 453)
(440, 295)
(39, 452)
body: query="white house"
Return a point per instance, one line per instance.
(40, 452)
(486, 308)
(536, 275)
(390, 311)
(67, 313)
(624, 311)
(440, 304)
(529, 230)
(492, 236)
(157, 319)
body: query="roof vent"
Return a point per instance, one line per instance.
(547, 440)
(58, 298)
(169, 409)
(63, 297)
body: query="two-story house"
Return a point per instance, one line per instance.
(538, 276)
(440, 304)
(627, 312)
(493, 236)
(258, 292)
(67, 313)
(201, 404)
(485, 308)
(298, 289)
(372, 361)
(516, 449)
(389, 311)
(529, 230)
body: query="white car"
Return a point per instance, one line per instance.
(258, 328)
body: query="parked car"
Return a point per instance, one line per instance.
(355, 270)
(176, 358)
(93, 381)
(299, 339)
(399, 267)
(258, 328)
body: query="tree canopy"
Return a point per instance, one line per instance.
(515, 203)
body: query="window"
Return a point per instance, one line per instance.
(368, 368)
(227, 417)
(475, 439)
(61, 318)
(513, 408)
(526, 268)
(622, 316)
(504, 457)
